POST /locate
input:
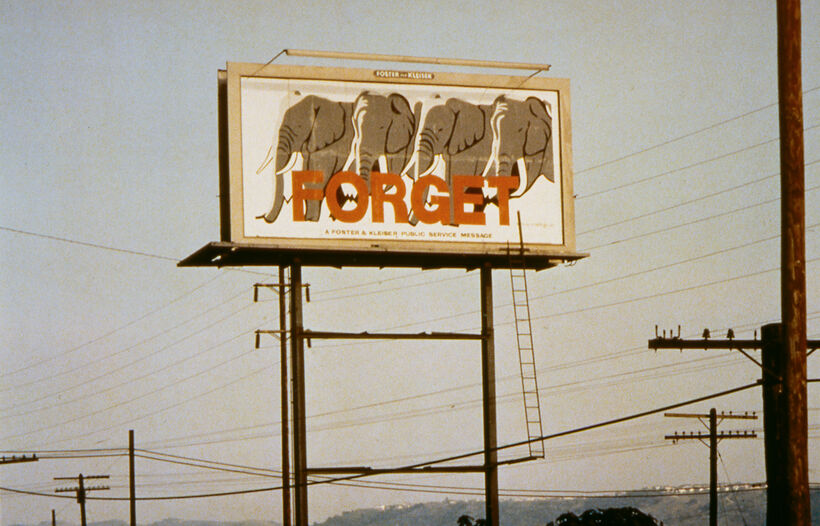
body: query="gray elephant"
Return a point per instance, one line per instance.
(383, 126)
(322, 131)
(522, 138)
(460, 132)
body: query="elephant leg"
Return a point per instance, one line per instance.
(412, 219)
(313, 210)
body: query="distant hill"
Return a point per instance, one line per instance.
(746, 507)
(164, 522)
(743, 507)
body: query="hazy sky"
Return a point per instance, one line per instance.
(110, 175)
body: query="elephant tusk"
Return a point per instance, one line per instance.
(289, 166)
(522, 178)
(349, 161)
(383, 164)
(437, 160)
(410, 164)
(268, 159)
(490, 162)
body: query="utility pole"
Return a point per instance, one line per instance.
(785, 393)
(797, 511)
(780, 497)
(132, 483)
(81, 490)
(282, 288)
(713, 436)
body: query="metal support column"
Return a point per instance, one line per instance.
(488, 391)
(283, 364)
(298, 371)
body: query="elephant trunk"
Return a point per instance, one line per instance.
(278, 199)
(426, 155)
(504, 165)
(364, 165)
(285, 156)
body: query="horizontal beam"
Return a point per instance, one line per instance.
(517, 460)
(356, 470)
(415, 60)
(15, 459)
(679, 343)
(328, 335)
(705, 436)
(740, 416)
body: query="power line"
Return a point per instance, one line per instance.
(142, 358)
(89, 245)
(686, 136)
(694, 221)
(470, 454)
(691, 201)
(114, 331)
(121, 351)
(126, 382)
(130, 399)
(665, 293)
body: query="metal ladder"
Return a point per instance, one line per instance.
(526, 351)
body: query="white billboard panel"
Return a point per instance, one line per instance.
(342, 159)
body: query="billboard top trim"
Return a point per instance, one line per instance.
(415, 60)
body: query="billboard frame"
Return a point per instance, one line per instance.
(237, 248)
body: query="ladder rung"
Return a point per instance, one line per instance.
(526, 352)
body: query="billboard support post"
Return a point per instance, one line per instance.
(488, 393)
(298, 368)
(284, 378)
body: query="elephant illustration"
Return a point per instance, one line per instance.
(319, 129)
(522, 140)
(458, 131)
(384, 128)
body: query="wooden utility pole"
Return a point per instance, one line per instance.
(282, 289)
(81, 489)
(779, 496)
(713, 436)
(297, 351)
(797, 510)
(132, 483)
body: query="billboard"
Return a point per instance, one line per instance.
(396, 161)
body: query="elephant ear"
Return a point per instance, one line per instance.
(538, 141)
(539, 126)
(402, 124)
(328, 123)
(468, 127)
